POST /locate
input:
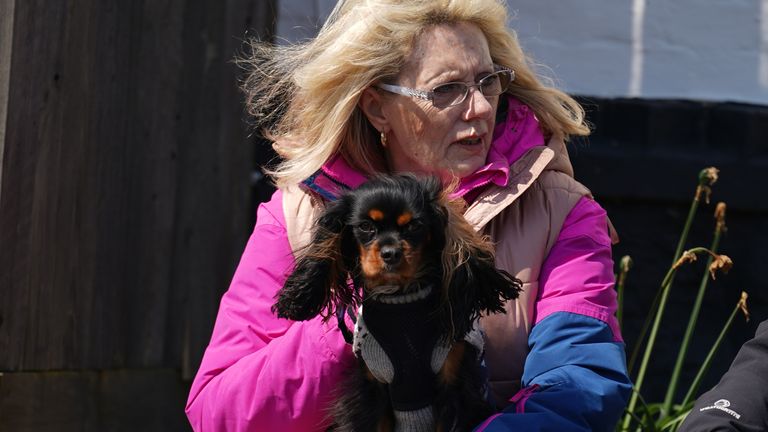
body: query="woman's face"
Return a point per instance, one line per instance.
(451, 141)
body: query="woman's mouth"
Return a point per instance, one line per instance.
(470, 141)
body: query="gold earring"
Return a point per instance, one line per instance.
(383, 138)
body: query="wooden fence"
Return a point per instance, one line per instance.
(124, 203)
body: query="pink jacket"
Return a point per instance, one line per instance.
(264, 373)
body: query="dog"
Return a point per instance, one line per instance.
(399, 251)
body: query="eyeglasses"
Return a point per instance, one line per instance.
(454, 93)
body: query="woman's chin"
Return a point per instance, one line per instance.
(467, 166)
(451, 169)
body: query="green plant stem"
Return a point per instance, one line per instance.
(644, 330)
(620, 306)
(648, 350)
(708, 360)
(674, 423)
(667, 405)
(665, 287)
(621, 278)
(659, 300)
(636, 418)
(641, 422)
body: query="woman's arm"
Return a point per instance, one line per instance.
(575, 375)
(260, 372)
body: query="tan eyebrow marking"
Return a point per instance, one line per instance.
(404, 218)
(376, 214)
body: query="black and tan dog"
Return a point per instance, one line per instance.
(398, 249)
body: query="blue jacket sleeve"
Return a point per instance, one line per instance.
(575, 379)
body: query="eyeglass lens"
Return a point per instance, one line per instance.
(454, 93)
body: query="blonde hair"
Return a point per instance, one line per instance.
(305, 96)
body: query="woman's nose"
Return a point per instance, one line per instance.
(478, 106)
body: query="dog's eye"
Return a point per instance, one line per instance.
(414, 227)
(366, 227)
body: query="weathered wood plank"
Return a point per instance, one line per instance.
(27, 168)
(217, 162)
(96, 183)
(124, 180)
(6, 38)
(121, 400)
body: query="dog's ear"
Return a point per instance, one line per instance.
(435, 198)
(318, 283)
(472, 284)
(478, 287)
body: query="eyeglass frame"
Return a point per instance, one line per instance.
(429, 95)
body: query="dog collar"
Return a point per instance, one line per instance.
(419, 294)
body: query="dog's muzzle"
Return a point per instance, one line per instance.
(391, 255)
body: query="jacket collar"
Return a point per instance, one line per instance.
(524, 173)
(333, 178)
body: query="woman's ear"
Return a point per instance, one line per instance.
(372, 104)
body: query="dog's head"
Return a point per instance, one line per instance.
(397, 225)
(393, 235)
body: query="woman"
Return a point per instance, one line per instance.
(431, 87)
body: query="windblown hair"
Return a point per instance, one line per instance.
(304, 97)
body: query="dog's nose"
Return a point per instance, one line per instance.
(391, 254)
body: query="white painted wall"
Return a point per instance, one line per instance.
(691, 49)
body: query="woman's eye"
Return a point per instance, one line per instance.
(449, 89)
(490, 81)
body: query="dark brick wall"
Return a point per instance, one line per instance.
(642, 163)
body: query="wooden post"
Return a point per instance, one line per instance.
(6, 33)
(124, 188)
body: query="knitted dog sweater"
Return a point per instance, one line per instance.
(400, 344)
